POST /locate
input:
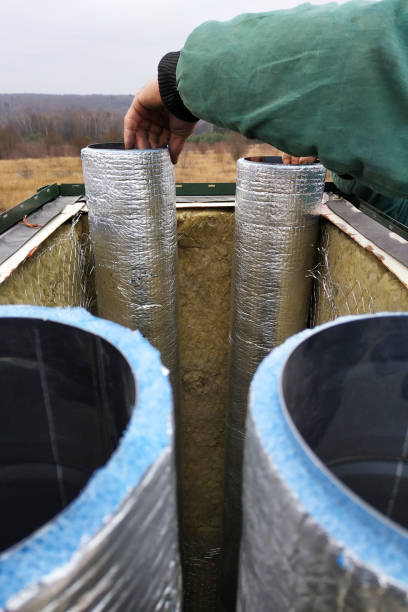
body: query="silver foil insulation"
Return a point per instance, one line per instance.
(132, 217)
(288, 560)
(276, 229)
(90, 521)
(317, 533)
(131, 564)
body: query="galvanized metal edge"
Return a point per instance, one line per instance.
(394, 266)
(27, 249)
(14, 215)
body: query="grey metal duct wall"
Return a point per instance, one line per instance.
(325, 487)
(132, 218)
(87, 487)
(276, 228)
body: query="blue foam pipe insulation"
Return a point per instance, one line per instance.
(115, 546)
(309, 541)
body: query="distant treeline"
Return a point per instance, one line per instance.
(38, 134)
(14, 104)
(40, 125)
(65, 133)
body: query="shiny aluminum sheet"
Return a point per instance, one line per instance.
(308, 542)
(276, 228)
(289, 561)
(114, 547)
(131, 564)
(132, 218)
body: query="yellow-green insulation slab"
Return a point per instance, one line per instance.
(58, 273)
(205, 239)
(351, 280)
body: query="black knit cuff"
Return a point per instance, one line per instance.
(168, 87)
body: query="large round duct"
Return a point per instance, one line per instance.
(276, 228)
(325, 488)
(87, 480)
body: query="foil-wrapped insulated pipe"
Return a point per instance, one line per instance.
(132, 217)
(325, 479)
(87, 478)
(276, 228)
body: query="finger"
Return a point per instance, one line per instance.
(286, 158)
(130, 124)
(307, 160)
(176, 144)
(129, 131)
(153, 135)
(129, 138)
(141, 139)
(294, 160)
(164, 137)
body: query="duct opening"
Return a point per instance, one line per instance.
(346, 389)
(111, 146)
(67, 395)
(114, 146)
(273, 160)
(265, 159)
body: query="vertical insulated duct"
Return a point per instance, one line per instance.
(276, 229)
(131, 197)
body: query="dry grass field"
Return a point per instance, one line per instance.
(20, 178)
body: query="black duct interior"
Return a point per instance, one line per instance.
(346, 389)
(266, 159)
(271, 159)
(120, 146)
(117, 146)
(66, 399)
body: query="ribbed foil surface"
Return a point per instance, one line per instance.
(276, 228)
(91, 501)
(131, 564)
(132, 218)
(315, 538)
(289, 561)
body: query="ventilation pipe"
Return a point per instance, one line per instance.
(131, 197)
(325, 488)
(276, 227)
(88, 503)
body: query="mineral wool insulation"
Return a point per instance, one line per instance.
(113, 546)
(276, 229)
(205, 239)
(324, 490)
(350, 279)
(132, 219)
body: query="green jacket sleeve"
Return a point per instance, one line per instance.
(328, 80)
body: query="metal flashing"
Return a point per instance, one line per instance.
(72, 189)
(383, 235)
(30, 245)
(14, 215)
(381, 217)
(205, 189)
(393, 265)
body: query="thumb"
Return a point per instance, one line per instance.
(176, 144)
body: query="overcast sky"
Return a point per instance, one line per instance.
(100, 46)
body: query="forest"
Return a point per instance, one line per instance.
(33, 126)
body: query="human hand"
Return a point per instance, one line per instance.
(149, 125)
(294, 161)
